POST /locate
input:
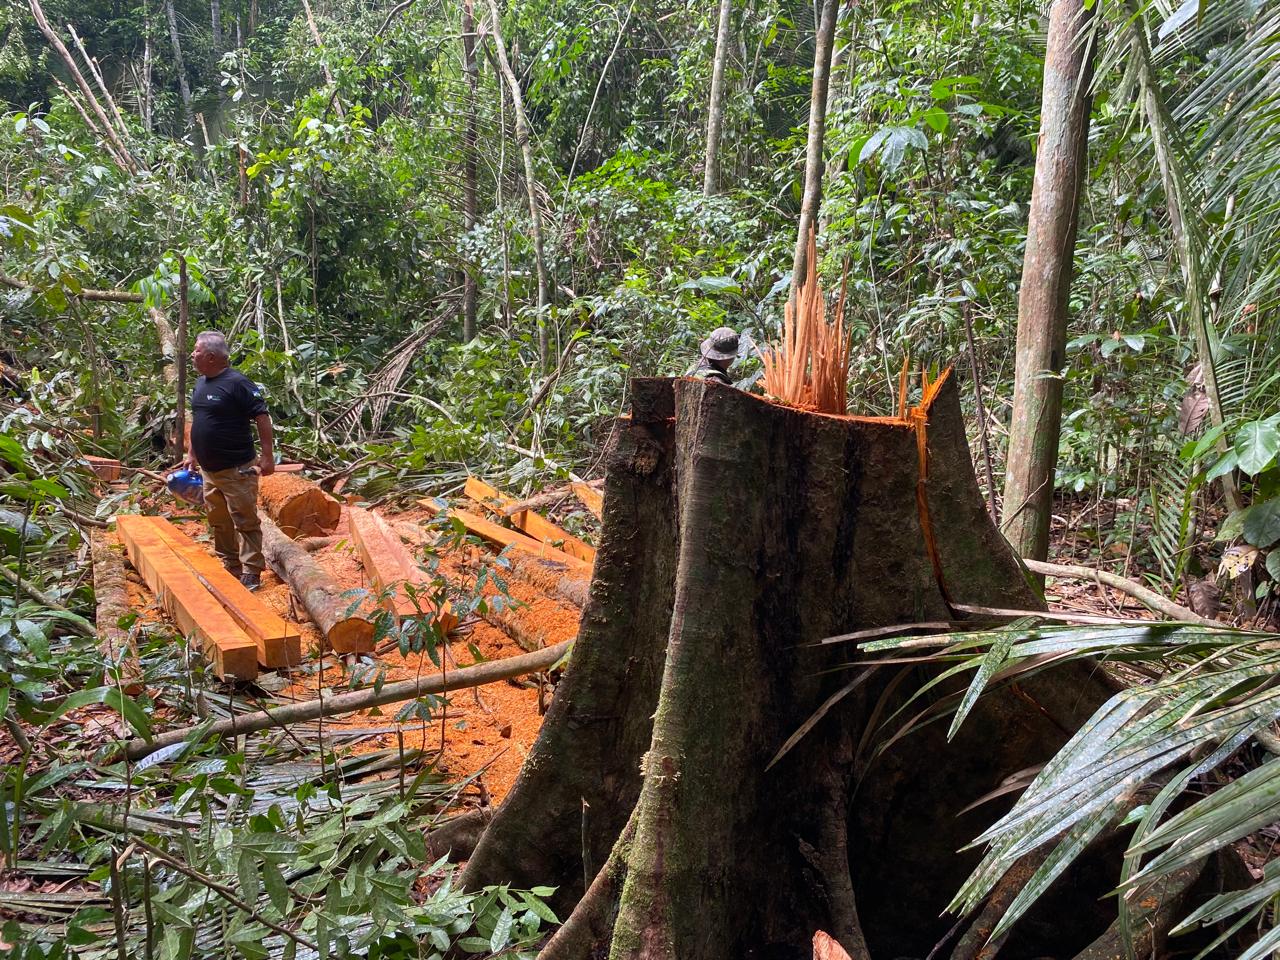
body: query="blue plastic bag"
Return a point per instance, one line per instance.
(187, 485)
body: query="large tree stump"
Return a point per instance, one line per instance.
(737, 533)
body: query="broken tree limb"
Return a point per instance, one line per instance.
(492, 671)
(298, 506)
(77, 623)
(1147, 597)
(552, 497)
(328, 605)
(130, 164)
(105, 296)
(111, 597)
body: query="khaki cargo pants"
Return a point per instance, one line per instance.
(231, 501)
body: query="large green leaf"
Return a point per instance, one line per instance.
(1257, 444)
(1262, 523)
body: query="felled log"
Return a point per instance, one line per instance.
(298, 506)
(590, 497)
(491, 671)
(347, 630)
(111, 598)
(549, 498)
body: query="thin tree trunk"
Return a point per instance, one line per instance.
(319, 42)
(183, 87)
(526, 151)
(715, 110)
(145, 105)
(469, 165)
(813, 165)
(65, 55)
(215, 26)
(180, 359)
(1046, 277)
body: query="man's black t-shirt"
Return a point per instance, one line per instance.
(222, 407)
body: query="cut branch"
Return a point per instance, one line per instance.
(492, 671)
(1148, 598)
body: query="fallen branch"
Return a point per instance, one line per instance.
(1148, 598)
(77, 623)
(107, 296)
(111, 598)
(547, 498)
(484, 673)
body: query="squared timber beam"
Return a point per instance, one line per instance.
(279, 642)
(393, 571)
(195, 610)
(527, 521)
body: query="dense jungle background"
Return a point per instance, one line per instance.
(345, 189)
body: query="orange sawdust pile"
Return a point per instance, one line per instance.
(492, 731)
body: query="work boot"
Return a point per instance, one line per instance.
(251, 581)
(234, 569)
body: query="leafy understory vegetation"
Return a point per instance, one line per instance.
(343, 184)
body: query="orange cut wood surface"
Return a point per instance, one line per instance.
(503, 537)
(393, 571)
(196, 611)
(527, 521)
(279, 642)
(590, 497)
(104, 467)
(298, 506)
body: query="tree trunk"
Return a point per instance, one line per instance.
(176, 42)
(715, 109)
(737, 533)
(328, 605)
(111, 605)
(813, 164)
(60, 48)
(1046, 278)
(180, 360)
(531, 186)
(469, 163)
(215, 27)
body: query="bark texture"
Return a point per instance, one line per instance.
(715, 109)
(738, 533)
(814, 165)
(1046, 277)
(469, 163)
(347, 630)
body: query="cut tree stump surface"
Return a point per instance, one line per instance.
(197, 612)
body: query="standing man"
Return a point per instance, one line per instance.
(223, 405)
(718, 353)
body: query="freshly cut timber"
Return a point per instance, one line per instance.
(501, 536)
(111, 600)
(590, 497)
(298, 506)
(344, 617)
(527, 521)
(737, 533)
(104, 467)
(196, 611)
(403, 588)
(279, 642)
